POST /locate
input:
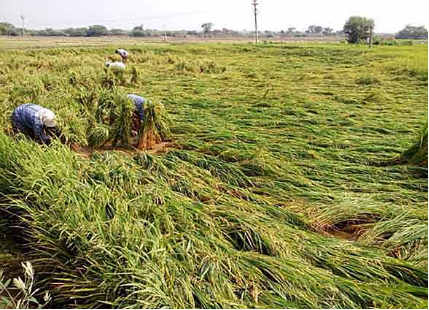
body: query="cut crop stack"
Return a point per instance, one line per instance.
(122, 120)
(113, 122)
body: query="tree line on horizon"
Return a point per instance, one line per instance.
(356, 29)
(139, 31)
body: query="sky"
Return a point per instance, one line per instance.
(390, 15)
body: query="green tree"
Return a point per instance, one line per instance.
(358, 29)
(50, 32)
(8, 29)
(327, 31)
(77, 32)
(314, 29)
(97, 31)
(138, 31)
(118, 32)
(207, 27)
(410, 32)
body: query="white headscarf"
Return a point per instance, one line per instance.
(48, 118)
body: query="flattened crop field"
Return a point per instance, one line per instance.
(274, 191)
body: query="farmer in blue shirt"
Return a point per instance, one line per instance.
(138, 113)
(35, 122)
(138, 102)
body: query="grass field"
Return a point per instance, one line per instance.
(276, 193)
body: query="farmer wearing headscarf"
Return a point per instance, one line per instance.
(35, 122)
(123, 53)
(138, 112)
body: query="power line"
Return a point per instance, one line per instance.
(255, 11)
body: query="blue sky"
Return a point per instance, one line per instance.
(389, 15)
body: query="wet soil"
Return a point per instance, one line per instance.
(351, 229)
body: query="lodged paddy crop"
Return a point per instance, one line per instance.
(282, 186)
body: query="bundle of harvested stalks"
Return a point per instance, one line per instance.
(105, 107)
(134, 75)
(121, 120)
(113, 121)
(108, 79)
(110, 120)
(154, 128)
(98, 135)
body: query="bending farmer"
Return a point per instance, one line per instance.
(115, 66)
(138, 113)
(123, 53)
(35, 122)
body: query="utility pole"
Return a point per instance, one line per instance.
(23, 24)
(371, 30)
(255, 11)
(165, 33)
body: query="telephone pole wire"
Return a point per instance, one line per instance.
(255, 10)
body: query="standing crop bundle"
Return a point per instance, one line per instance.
(111, 120)
(134, 75)
(122, 120)
(108, 79)
(154, 127)
(105, 110)
(98, 135)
